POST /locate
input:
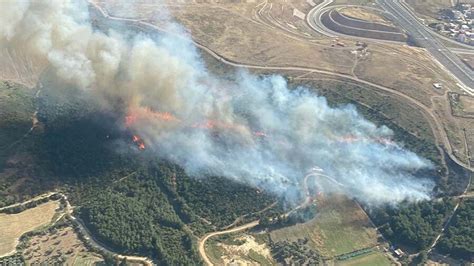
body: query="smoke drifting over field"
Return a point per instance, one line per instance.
(253, 129)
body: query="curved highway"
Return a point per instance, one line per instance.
(464, 46)
(426, 39)
(314, 21)
(436, 126)
(313, 18)
(419, 33)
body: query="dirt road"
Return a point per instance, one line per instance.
(82, 228)
(436, 126)
(304, 203)
(39, 197)
(203, 240)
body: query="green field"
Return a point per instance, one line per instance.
(341, 226)
(85, 259)
(371, 259)
(213, 251)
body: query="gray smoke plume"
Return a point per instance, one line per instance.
(252, 129)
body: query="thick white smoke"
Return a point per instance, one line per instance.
(252, 129)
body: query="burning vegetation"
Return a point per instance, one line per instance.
(255, 130)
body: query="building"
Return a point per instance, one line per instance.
(399, 253)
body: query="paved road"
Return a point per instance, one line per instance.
(453, 42)
(304, 203)
(445, 56)
(425, 38)
(435, 124)
(313, 18)
(203, 240)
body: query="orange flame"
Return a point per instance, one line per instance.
(146, 113)
(139, 142)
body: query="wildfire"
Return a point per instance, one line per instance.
(352, 139)
(139, 142)
(146, 114)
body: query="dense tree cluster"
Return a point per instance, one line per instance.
(289, 253)
(275, 220)
(159, 210)
(415, 224)
(136, 217)
(144, 214)
(29, 205)
(228, 199)
(458, 239)
(16, 109)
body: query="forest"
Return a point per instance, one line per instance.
(458, 240)
(413, 225)
(137, 204)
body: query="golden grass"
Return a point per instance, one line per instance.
(364, 14)
(467, 103)
(12, 226)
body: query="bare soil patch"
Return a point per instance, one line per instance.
(240, 249)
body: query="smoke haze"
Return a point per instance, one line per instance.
(251, 129)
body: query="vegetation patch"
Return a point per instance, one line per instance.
(340, 226)
(369, 259)
(458, 240)
(58, 246)
(414, 225)
(285, 252)
(12, 226)
(461, 105)
(239, 248)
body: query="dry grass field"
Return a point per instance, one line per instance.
(428, 9)
(467, 104)
(340, 226)
(12, 226)
(248, 33)
(17, 67)
(355, 2)
(60, 247)
(364, 14)
(240, 32)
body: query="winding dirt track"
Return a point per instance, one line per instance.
(306, 202)
(442, 141)
(68, 210)
(202, 241)
(436, 126)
